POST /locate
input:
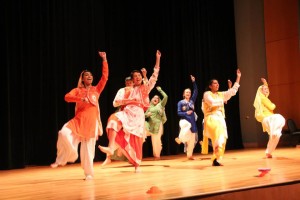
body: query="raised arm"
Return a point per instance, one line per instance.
(102, 82)
(238, 76)
(157, 63)
(165, 96)
(229, 84)
(144, 73)
(195, 89)
(154, 76)
(264, 81)
(232, 91)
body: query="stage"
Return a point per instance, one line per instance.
(172, 177)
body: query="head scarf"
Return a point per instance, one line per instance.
(257, 103)
(80, 83)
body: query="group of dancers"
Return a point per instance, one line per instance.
(137, 117)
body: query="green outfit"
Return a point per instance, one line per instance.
(158, 114)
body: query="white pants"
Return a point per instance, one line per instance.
(190, 144)
(186, 136)
(185, 133)
(274, 125)
(67, 146)
(156, 141)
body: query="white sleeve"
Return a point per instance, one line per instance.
(119, 98)
(231, 92)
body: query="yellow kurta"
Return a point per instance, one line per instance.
(214, 120)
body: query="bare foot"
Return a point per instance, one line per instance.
(156, 158)
(88, 177)
(106, 150)
(178, 140)
(54, 165)
(137, 170)
(106, 162)
(268, 155)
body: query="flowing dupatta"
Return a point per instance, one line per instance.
(257, 103)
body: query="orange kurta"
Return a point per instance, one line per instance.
(87, 114)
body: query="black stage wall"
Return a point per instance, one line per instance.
(46, 44)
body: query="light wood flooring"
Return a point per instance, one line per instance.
(170, 178)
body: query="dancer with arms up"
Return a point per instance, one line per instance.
(86, 125)
(117, 152)
(188, 128)
(156, 117)
(214, 117)
(264, 113)
(127, 127)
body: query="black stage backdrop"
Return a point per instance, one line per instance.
(46, 44)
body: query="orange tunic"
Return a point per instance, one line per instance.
(87, 114)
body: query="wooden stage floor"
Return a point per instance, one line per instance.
(172, 177)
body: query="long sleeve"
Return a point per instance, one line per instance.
(195, 92)
(222, 96)
(181, 112)
(102, 82)
(152, 80)
(119, 97)
(268, 104)
(73, 96)
(165, 98)
(231, 91)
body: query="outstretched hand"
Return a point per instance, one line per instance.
(144, 72)
(238, 73)
(158, 53)
(264, 81)
(229, 84)
(192, 78)
(102, 54)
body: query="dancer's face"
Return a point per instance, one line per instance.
(187, 94)
(265, 90)
(129, 83)
(87, 78)
(214, 86)
(137, 78)
(155, 100)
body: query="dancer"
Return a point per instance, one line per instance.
(264, 113)
(86, 125)
(118, 152)
(205, 142)
(214, 117)
(156, 117)
(128, 82)
(127, 127)
(188, 128)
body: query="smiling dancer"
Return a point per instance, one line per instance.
(264, 113)
(214, 116)
(127, 127)
(86, 125)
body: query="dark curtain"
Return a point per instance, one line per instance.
(46, 44)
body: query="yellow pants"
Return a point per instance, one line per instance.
(216, 130)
